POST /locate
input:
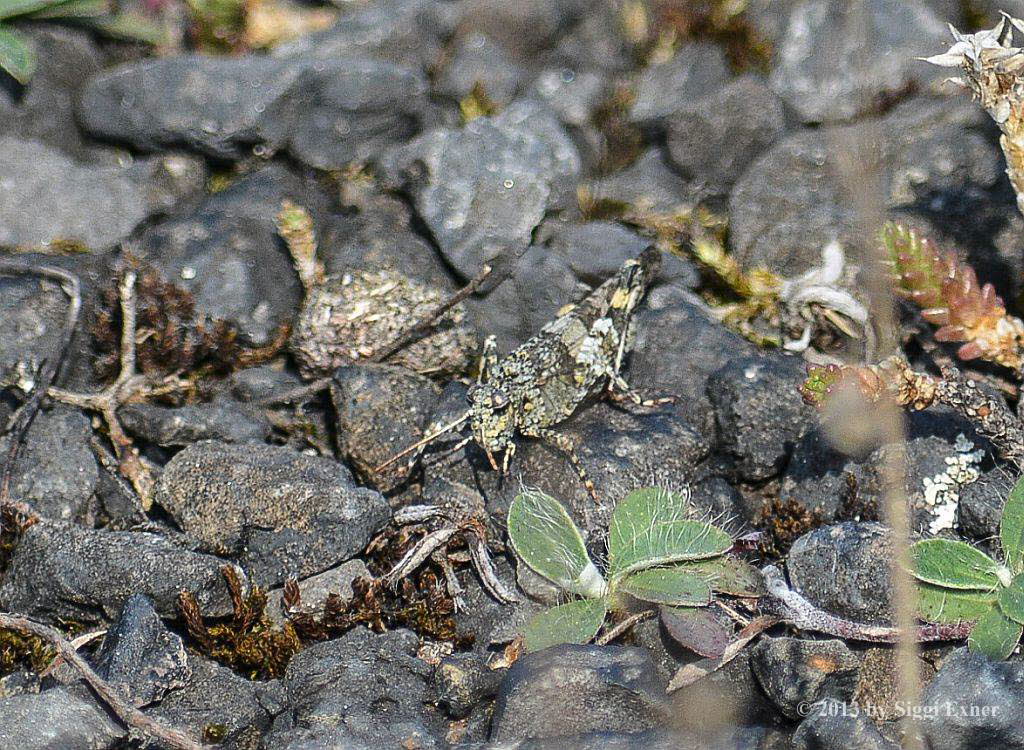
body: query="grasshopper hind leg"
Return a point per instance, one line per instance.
(562, 443)
(622, 392)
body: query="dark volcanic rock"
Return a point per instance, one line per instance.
(60, 570)
(360, 690)
(44, 111)
(713, 139)
(56, 470)
(793, 200)
(325, 112)
(648, 183)
(760, 414)
(281, 513)
(566, 690)
(215, 697)
(61, 717)
(476, 60)
(840, 60)
(795, 673)
(483, 189)
(678, 347)
(140, 657)
(227, 252)
(696, 70)
(46, 197)
(833, 725)
(844, 569)
(973, 704)
(462, 681)
(221, 419)
(381, 410)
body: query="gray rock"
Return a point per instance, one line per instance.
(523, 27)
(697, 69)
(796, 673)
(61, 717)
(43, 111)
(844, 569)
(342, 111)
(221, 419)
(838, 61)
(140, 657)
(981, 506)
(60, 570)
(678, 347)
(569, 689)
(571, 94)
(649, 183)
(792, 200)
(226, 252)
(221, 106)
(941, 454)
(380, 411)
(973, 704)
(375, 232)
(483, 189)
(727, 697)
(46, 197)
(362, 690)
(405, 32)
(759, 413)
(477, 60)
(462, 681)
(279, 512)
(655, 739)
(314, 591)
(597, 43)
(256, 383)
(713, 139)
(56, 470)
(216, 698)
(834, 725)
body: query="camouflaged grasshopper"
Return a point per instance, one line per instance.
(575, 357)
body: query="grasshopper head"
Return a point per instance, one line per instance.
(490, 417)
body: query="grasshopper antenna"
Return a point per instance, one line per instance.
(417, 445)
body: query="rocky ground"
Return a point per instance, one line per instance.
(427, 138)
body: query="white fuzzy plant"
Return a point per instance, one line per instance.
(657, 553)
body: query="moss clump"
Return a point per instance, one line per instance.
(721, 21)
(783, 522)
(20, 651)
(172, 337)
(249, 643)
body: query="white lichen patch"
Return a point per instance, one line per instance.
(942, 491)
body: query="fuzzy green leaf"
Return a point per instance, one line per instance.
(575, 622)
(1011, 528)
(546, 539)
(698, 629)
(943, 605)
(650, 527)
(1011, 599)
(675, 586)
(954, 565)
(72, 9)
(995, 635)
(16, 56)
(13, 8)
(729, 575)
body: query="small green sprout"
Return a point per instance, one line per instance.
(657, 554)
(956, 583)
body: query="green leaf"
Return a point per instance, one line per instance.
(72, 9)
(955, 565)
(16, 56)
(995, 635)
(729, 575)
(547, 540)
(675, 586)
(129, 25)
(1011, 599)
(650, 527)
(1011, 528)
(942, 605)
(575, 622)
(13, 8)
